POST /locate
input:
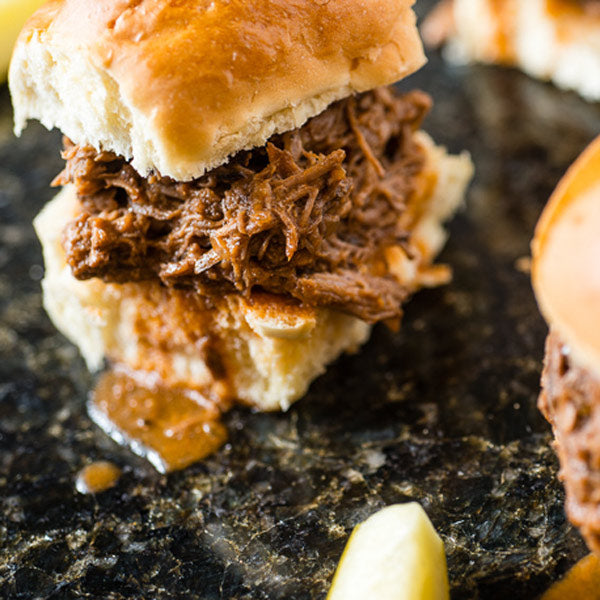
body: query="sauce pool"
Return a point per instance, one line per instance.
(97, 477)
(171, 427)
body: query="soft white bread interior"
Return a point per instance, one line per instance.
(566, 265)
(554, 40)
(268, 349)
(179, 87)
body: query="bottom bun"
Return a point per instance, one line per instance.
(262, 351)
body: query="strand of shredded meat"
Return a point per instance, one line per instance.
(570, 400)
(308, 215)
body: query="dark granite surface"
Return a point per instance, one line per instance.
(442, 413)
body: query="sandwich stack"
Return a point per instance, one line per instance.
(243, 197)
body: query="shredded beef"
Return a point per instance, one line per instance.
(570, 400)
(309, 214)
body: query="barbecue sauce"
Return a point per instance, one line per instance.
(171, 427)
(97, 477)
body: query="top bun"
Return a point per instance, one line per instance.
(566, 259)
(180, 86)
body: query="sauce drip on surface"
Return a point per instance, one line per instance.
(97, 477)
(171, 427)
(582, 582)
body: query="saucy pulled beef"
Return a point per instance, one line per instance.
(309, 214)
(570, 401)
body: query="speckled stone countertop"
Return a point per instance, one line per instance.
(442, 413)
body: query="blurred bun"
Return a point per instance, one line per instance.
(566, 259)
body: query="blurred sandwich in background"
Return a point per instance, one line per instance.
(553, 40)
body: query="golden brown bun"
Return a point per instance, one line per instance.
(181, 86)
(566, 259)
(553, 40)
(270, 348)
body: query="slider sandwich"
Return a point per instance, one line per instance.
(566, 279)
(553, 40)
(243, 197)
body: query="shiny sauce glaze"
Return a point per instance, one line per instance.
(97, 477)
(171, 427)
